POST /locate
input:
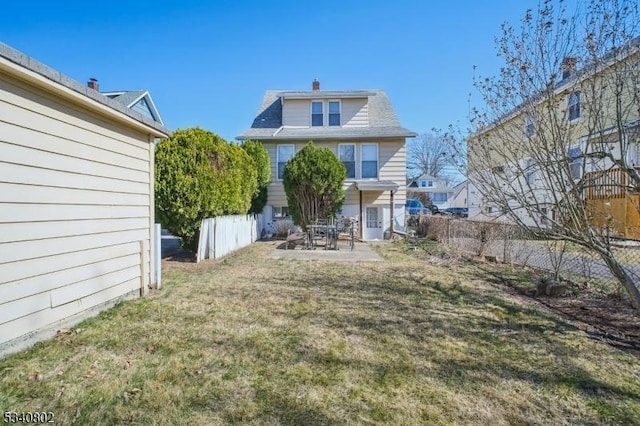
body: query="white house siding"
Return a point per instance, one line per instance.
(76, 208)
(355, 113)
(296, 113)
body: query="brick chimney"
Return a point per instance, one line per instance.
(568, 66)
(316, 85)
(93, 84)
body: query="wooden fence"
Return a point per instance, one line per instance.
(612, 200)
(222, 235)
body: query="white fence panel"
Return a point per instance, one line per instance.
(222, 235)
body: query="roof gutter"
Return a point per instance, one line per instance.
(23, 68)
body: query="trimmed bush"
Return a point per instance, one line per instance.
(198, 175)
(313, 181)
(260, 155)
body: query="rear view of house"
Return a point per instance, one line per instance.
(360, 127)
(76, 200)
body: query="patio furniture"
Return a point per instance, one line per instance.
(322, 233)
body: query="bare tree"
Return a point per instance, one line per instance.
(559, 124)
(428, 154)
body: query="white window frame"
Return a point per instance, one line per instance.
(529, 126)
(377, 177)
(278, 158)
(311, 112)
(574, 95)
(575, 162)
(530, 171)
(278, 213)
(437, 197)
(355, 159)
(329, 112)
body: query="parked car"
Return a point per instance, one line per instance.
(457, 211)
(414, 206)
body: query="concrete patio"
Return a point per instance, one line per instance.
(361, 252)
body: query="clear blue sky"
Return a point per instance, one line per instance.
(207, 63)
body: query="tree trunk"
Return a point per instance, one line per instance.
(621, 275)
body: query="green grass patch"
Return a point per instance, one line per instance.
(251, 340)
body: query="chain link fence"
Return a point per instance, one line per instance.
(511, 244)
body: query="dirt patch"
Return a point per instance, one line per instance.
(605, 317)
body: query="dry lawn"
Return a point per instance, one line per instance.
(250, 340)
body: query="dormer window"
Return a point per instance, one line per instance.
(317, 114)
(334, 113)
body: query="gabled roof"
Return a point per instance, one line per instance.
(459, 187)
(267, 124)
(29, 69)
(587, 71)
(132, 97)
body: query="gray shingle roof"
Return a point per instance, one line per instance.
(383, 122)
(126, 98)
(49, 73)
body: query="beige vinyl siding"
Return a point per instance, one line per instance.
(355, 113)
(75, 210)
(393, 167)
(296, 113)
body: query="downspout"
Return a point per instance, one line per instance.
(391, 215)
(361, 224)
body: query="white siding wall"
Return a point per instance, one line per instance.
(355, 113)
(75, 211)
(296, 113)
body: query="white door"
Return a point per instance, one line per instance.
(372, 223)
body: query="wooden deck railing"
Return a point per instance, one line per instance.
(613, 183)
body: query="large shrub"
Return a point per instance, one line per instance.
(198, 175)
(258, 152)
(313, 181)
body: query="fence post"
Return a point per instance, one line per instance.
(157, 255)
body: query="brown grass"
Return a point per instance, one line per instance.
(250, 340)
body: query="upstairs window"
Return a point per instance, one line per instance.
(285, 153)
(529, 126)
(316, 114)
(369, 161)
(347, 154)
(574, 106)
(334, 113)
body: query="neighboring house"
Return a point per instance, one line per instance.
(76, 201)
(361, 128)
(459, 195)
(138, 100)
(570, 100)
(435, 188)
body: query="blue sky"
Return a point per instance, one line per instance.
(207, 63)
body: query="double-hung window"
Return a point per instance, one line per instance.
(280, 212)
(285, 153)
(347, 155)
(369, 161)
(573, 106)
(575, 166)
(530, 172)
(529, 126)
(334, 113)
(317, 113)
